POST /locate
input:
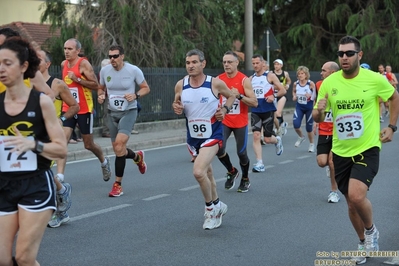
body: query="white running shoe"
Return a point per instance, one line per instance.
(371, 240)
(311, 147)
(360, 259)
(392, 261)
(279, 146)
(210, 219)
(299, 141)
(333, 197)
(219, 214)
(258, 167)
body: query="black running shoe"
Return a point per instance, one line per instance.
(244, 186)
(231, 177)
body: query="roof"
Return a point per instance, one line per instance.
(35, 33)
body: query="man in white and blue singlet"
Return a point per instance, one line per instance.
(198, 97)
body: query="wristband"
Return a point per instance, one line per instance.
(227, 109)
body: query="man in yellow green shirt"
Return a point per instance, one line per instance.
(353, 95)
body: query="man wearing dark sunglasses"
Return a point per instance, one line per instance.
(119, 80)
(352, 94)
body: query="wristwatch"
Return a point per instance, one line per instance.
(63, 118)
(39, 146)
(79, 79)
(394, 128)
(240, 97)
(137, 95)
(227, 109)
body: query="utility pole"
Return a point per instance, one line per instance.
(249, 34)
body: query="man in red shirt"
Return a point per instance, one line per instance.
(324, 144)
(236, 120)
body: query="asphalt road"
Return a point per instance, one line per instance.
(283, 220)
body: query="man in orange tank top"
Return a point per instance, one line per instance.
(236, 120)
(79, 75)
(324, 144)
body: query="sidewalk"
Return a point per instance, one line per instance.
(151, 135)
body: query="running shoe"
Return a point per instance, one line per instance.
(106, 170)
(279, 146)
(392, 261)
(231, 179)
(58, 218)
(328, 171)
(258, 167)
(283, 128)
(386, 113)
(244, 185)
(360, 259)
(219, 214)
(210, 219)
(262, 142)
(333, 197)
(371, 240)
(64, 200)
(381, 119)
(311, 147)
(299, 141)
(116, 190)
(140, 163)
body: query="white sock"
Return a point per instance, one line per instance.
(103, 164)
(60, 177)
(62, 190)
(260, 161)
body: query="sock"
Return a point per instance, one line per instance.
(119, 183)
(103, 164)
(371, 229)
(120, 163)
(62, 190)
(245, 170)
(130, 154)
(225, 160)
(259, 161)
(61, 177)
(361, 241)
(280, 120)
(216, 202)
(209, 205)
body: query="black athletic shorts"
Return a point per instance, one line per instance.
(324, 144)
(363, 167)
(33, 194)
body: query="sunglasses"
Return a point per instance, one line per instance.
(228, 62)
(115, 56)
(349, 53)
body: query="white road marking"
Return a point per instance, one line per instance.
(303, 157)
(91, 214)
(285, 162)
(156, 197)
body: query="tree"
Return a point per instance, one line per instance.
(154, 33)
(309, 31)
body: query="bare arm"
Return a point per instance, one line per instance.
(249, 95)
(281, 91)
(386, 134)
(177, 104)
(288, 80)
(294, 92)
(66, 97)
(87, 71)
(40, 84)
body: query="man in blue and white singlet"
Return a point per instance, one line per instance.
(197, 96)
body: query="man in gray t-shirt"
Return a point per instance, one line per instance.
(119, 80)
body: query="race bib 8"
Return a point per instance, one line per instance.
(13, 162)
(118, 102)
(349, 126)
(75, 93)
(200, 128)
